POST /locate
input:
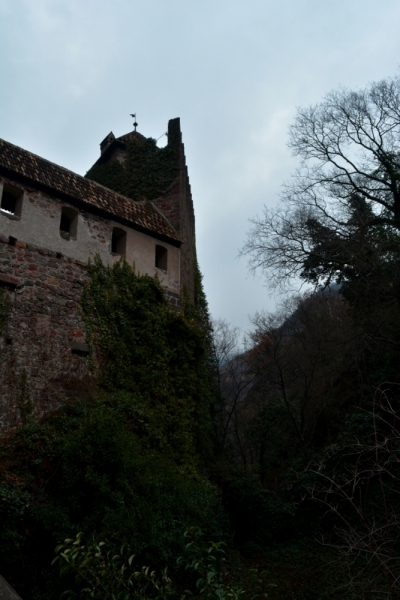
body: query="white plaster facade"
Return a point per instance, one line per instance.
(38, 223)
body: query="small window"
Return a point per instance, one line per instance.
(11, 200)
(118, 241)
(161, 258)
(68, 223)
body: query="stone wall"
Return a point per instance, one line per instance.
(44, 356)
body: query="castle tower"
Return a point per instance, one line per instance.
(134, 166)
(52, 222)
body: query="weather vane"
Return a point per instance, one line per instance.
(135, 124)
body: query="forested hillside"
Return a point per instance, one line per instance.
(274, 471)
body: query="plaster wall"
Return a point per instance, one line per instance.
(140, 248)
(39, 225)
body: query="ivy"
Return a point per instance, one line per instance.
(146, 172)
(4, 308)
(126, 463)
(102, 574)
(144, 347)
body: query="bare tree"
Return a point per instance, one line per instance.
(301, 356)
(235, 379)
(339, 215)
(277, 396)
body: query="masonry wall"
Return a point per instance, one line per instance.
(42, 345)
(39, 223)
(177, 206)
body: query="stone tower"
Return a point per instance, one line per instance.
(120, 161)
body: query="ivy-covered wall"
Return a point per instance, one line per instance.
(124, 462)
(146, 172)
(146, 348)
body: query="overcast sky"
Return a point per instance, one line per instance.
(234, 71)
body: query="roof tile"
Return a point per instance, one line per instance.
(38, 170)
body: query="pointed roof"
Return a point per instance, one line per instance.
(111, 143)
(131, 136)
(109, 138)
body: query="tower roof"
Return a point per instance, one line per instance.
(110, 144)
(130, 137)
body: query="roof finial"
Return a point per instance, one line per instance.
(135, 124)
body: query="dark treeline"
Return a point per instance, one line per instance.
(193, 455)
(320, 417)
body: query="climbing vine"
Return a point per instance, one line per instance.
(146, 172)
(125, 463)
(4, 308)
(144, 347)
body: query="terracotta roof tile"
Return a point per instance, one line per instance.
(38, 170)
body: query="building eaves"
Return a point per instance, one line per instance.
(37, 170)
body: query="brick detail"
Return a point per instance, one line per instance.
(173, 299)
(9, 280)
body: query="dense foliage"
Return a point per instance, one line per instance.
(329, 360)
(3, 309)
(101, 574)
(126, 462)
(149, 350)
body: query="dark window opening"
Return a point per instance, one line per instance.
(8, 202)
(161, 258)
(68, 223)
(65, 224)
(79, 349)
(118, 241)
(11, 200)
